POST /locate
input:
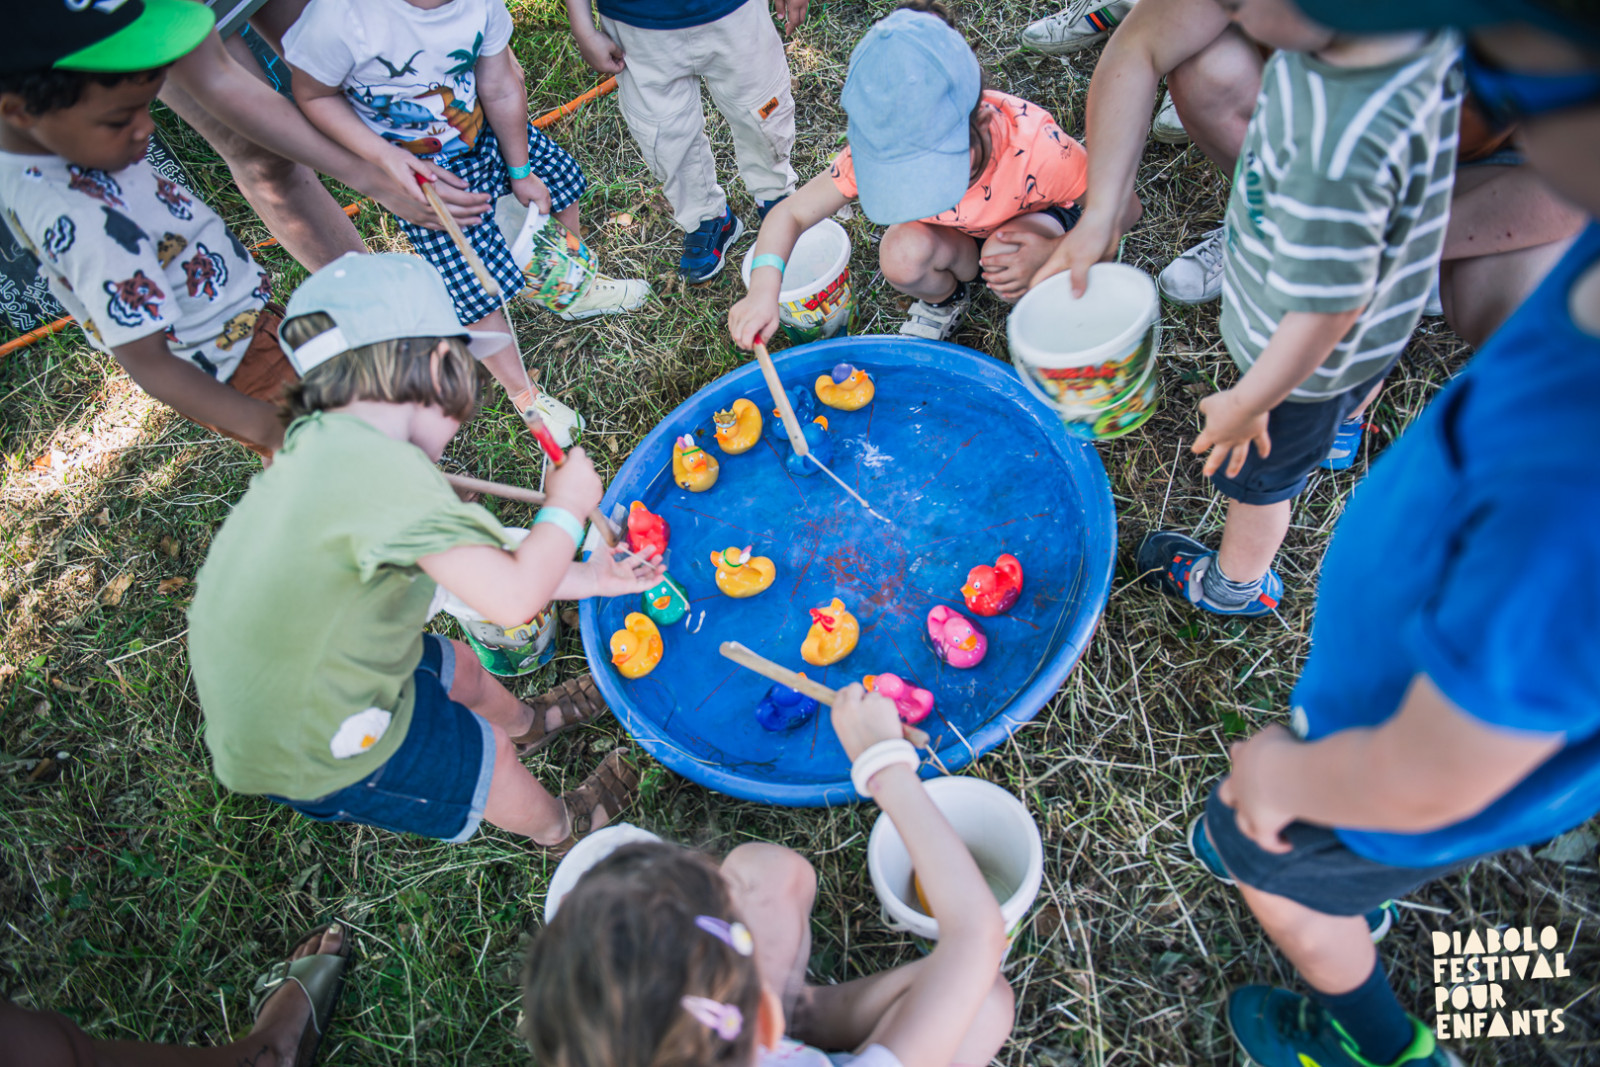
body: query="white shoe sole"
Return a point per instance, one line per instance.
(1065, 48)
(1161, 136)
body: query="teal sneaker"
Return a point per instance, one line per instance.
(1380, 920)
(1277, 1028)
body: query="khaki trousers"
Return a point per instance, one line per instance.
(740, 59)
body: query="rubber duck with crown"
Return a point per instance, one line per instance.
(739, 427)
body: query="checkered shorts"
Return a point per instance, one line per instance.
(484, 171)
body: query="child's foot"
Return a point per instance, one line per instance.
(1076, 27)
(572, 703)
(705, 250)
(603, 796)
(1346, 446)
(1277, 1028)
(1182, 567)
(1168, 127)
(938, 321)
(607, 296)
(562, 422)
(1196, 276)
(764, 206)
(1380, 920)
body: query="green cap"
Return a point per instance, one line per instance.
(106, 35)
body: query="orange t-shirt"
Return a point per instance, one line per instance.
(1034, 165)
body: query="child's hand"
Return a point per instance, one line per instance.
(531, 190)
(792, 12)
(404, 168)
(1231, 428)
(1250, 790)
(574, 486)
(752, 318)
(401, 196)
(618, 572)
(1010, 259)
(600, 52)
(862, 719)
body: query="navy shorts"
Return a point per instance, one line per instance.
(437, 781)
(484, 171)
(1301, 436)
(1318, 872)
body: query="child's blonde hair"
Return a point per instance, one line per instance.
(396, 372)
(648, 929)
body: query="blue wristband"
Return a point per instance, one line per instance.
(563, 518)
(767, 259)
(518, 173)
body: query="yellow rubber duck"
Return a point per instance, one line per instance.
(636, 649)
(847, 388)
(739, 428)
(740, 574)
(833, 635)
(693, 468)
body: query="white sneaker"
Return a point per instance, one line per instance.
(1168, 127)
(1081, 24)
(607, 296)
(561, 420)
(1196, 276)
(937, 321)
(1434, 308)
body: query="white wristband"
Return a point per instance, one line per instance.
(881, 755)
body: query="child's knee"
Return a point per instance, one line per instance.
(906, 252)
(773, 870)
(471, 684)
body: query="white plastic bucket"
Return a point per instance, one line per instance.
(998, 831)
(585, 854)
(556, 266)
(815, 300)
(1091, 358)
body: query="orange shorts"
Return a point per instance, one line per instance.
(263, 372)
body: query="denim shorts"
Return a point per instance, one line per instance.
(1301, 436)
(437, 781)
(1318, 872)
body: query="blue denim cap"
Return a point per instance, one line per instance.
(912, 83)
(379, 297)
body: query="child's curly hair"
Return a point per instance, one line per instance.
(605, 982)
(396, 372)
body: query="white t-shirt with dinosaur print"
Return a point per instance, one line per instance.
(130, 253)
(408, 72)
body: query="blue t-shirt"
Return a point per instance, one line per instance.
(668, 14)
(1471, 554)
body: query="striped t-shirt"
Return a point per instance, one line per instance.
(1340, 199)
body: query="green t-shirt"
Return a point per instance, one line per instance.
(307, 619)
(1340, 198)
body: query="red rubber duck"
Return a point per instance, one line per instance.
(992, 590)
(647, 531)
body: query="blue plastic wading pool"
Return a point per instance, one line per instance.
(965, 463)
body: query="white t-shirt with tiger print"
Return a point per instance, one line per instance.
(131, 253)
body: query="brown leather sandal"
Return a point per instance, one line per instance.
(613, 785)
(579, 701)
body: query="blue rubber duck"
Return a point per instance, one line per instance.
(784, 709)
(805, 409)
(818, 441)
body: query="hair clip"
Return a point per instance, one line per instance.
(734, 934)
(724, 1020)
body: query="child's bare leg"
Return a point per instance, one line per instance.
(518, 803)
(1251, 538)
(773, 889)
(568, 217)
(506, 364)
(847, 1016)
(1333, 953)
(927, 262)
(1367, 402)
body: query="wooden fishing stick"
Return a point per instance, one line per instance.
(763, 666)
(791, 425)
(525, 496)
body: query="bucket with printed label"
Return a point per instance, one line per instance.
(556, 265)
(996, 828)
(815, 300)
(1091, 358)
(507, 651)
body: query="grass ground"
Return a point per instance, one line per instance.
(142, 899)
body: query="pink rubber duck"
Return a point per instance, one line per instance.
(956, 638)
(912, 703)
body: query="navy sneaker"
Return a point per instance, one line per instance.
(764, 206)
(1380, 920)
(1346, 446)
(1277, 1028)
(1176, 564)
(705, 250)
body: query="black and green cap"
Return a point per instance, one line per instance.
(110, 36)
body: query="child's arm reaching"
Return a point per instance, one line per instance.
(757, 314)
(330, 112)
(594, 44)
(1238, 416)
(926, 1024)
(505, 105)
(192, 392)
(512, 587)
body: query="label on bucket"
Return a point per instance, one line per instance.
(1094, 384)
(560, 268)
(822, 314)
(513, 651)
